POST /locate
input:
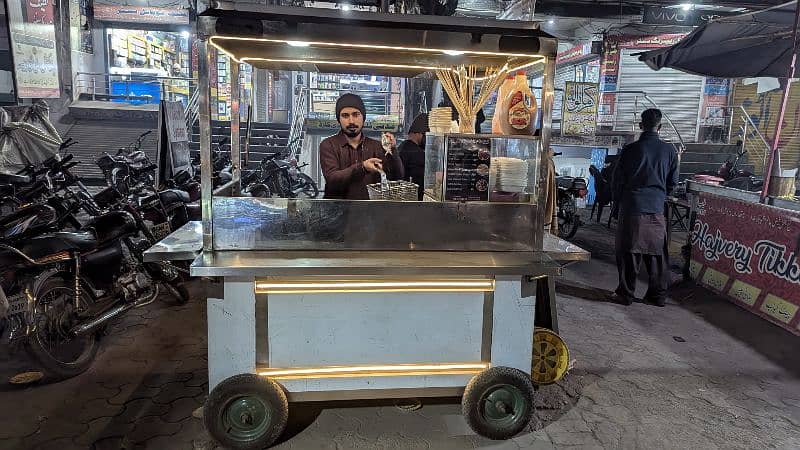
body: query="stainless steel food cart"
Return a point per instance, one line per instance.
(332, 299)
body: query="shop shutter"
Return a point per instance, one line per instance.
(676, 93)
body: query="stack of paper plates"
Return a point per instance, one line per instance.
(510, 174)
(439, 120)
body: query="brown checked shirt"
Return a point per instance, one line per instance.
(343, 168)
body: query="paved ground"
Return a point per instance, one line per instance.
(700, 373)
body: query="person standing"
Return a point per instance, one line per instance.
(349, 160)
(412, 152)
(645, 172)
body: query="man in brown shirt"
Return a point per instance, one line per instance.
(349, 160)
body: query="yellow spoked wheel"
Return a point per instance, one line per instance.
(550, 357)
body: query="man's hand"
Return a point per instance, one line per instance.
(388, 142)
(373, 165)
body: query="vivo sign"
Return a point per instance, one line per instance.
(676, 16)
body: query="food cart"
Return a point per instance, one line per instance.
(746, 250)
(335, 299)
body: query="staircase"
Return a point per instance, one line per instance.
(266, 139)
(709, 157)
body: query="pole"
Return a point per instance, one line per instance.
(204, 113)
(235, 124)
(782, 113)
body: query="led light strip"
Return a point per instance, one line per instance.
(328, 286)
(375, 371)
(355, 64)
(297, 43)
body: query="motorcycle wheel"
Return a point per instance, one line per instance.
(50, 344)
(568, 221)
(310, 188)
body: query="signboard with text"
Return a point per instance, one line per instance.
(141, 14)
(656, 15)
(579, 109)
(33, 44)
(750, 253)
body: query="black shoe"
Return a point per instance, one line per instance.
(620, 299)
(657, 301)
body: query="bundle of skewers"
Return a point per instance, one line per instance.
(460, 84)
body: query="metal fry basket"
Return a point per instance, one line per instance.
(405, 191)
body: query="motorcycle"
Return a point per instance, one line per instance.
(59, 290)
(734, 177)
(570, 197)
(281, 178)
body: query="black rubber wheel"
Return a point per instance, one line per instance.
(50, 344)
(310, 188)
(568, 219)
(498, 402)
(246, 411)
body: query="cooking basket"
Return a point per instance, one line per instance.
(405, 191)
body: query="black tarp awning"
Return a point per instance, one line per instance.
(757, 44)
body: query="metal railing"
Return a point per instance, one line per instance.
(741, 128)
(297, 128)
(102, 86)
(191, 113)
(640, 102)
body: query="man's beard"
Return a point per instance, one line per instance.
(352, 131)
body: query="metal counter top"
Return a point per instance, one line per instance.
(186, 243)
(345, 263)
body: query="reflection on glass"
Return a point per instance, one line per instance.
(511, 163)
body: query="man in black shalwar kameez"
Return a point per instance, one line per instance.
(645, 172)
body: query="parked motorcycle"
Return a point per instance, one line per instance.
(63, 288)
(280, 178)
(570, 198)
(735, 177)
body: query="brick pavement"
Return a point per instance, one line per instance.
(701, 373)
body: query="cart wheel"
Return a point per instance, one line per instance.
(498, 402)
(550, 357)
(246, 411)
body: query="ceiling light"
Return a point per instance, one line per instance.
(453, 52)
(185, 34)
(345, 7)
(686, 6)
(298, 43)
(551, 22)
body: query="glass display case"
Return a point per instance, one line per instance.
(482, 167)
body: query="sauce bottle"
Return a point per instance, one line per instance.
(519, 108)
(502, 91)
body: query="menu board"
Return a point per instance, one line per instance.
(466, 177)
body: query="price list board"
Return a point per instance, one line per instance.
(467, 169)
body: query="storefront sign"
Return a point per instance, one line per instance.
(141, 14)
(579, 115)
(575, 53)
(656, 15)
(466, 176)
(34, 48)
(174, 154)
(750, 253)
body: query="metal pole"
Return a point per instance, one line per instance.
(548, 97)
(236, 121)
(782, 114)
(204, 113)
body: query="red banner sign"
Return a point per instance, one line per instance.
(750, 253)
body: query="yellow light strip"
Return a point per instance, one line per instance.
(328, 286)
(298, 43)
(340, 63)
(354, 64)
(375, 371)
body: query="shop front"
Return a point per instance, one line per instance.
(147, 52)
(320, 296)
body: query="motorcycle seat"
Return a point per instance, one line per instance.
(113, 225)
(9, 178)
(170, 196)
(49, 244)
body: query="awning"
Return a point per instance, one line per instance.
(757, 44)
